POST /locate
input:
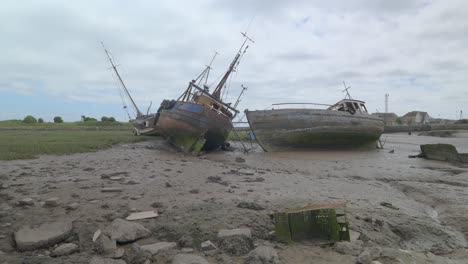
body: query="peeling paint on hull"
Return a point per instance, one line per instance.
(286, 129)
(193, 128)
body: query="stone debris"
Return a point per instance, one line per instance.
(157, 205)
(364, 257)
(105, 245)
(389, 205)
(116, 178)
(217, 179)
(111, 189)
(100, 260)
(158, 247)
(64, 249)
(136, 255)
(72, 206)
(263, 255)
(188, 259)
(124, 231)
(236, 242)
(207, 245)
(118, 253)
(251, 205)
(240, 159)
(46, 235)
(26, 202)
(349, 248)
(142, 215)
(96, 234)
(52, 202)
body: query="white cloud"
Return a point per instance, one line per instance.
(415, 50)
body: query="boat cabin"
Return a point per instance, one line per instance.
(350, 105)
(205, 100)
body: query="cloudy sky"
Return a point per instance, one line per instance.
(52, 62)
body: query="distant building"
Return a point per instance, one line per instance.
(390, 119)
(416, 118)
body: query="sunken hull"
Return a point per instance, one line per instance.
(287, 129)
(192, 127)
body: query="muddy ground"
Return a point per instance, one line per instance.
(197, 196)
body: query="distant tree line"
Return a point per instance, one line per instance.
(103, 119)
(32, 120)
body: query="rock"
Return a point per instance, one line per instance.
(118, 253)
(43, 236)
(251, 205)
(187, 250)
(349, 248)
(375, 252)
(185, 241)
(142, 215)
(188, 259)
(99, 260)
(158, 247)
(353, 235)
(72, 206)
(195, 191)
(207, 245)
(124, 231)
(105, 245)
(136, 255)
(52, 202)
(235, 242)
(364, 257)
(263, 255)
(240, 159)
(64, 249)
(376, 262)
(168, 185)
(111, 189)
(26, 202)
(157, 205)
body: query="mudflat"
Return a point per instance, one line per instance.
(195, 197)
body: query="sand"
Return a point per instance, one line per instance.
(429, 223)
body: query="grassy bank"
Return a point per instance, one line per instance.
(29, 143)
(243, 135)
(88, 125)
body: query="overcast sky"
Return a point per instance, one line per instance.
(52, 62)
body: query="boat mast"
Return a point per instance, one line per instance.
(205, 73)
(217, 92)
(242, 92)
(346, 88)
(139, 113)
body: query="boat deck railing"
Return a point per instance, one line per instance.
(295, 105)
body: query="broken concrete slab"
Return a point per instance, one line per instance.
(124, 231)
(263, 255)
(100, 260)
(188, 259)
(28, 238)
(236, 242)
(64, 249)
(158, 247)
(142, 215)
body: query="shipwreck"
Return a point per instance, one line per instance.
(199, 120)
(344, 124)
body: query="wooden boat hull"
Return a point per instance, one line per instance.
(286, 129)
(192, 127)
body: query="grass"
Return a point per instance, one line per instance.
(29, 143)
(88, 125)
(243, 135)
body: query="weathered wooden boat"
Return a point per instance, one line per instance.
(143, 124)
(344, 124)
(199, 120)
